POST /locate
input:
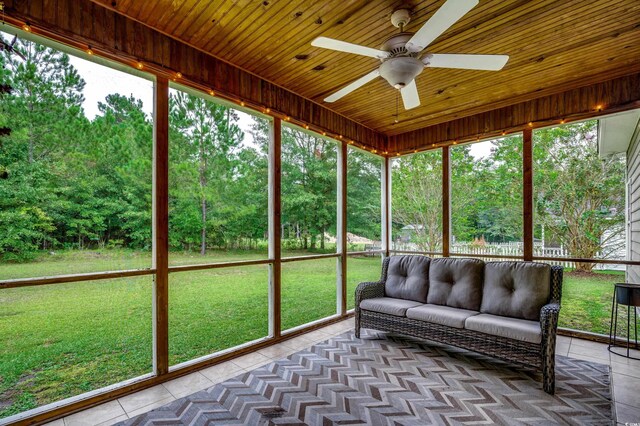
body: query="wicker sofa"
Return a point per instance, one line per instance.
(508, 310)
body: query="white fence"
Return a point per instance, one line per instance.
(514, 249)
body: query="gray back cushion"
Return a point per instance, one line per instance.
(456, 283)
(408, 278)
(516, 289)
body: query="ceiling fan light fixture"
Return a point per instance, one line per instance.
(401, 71)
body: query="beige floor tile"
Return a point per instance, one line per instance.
(143, 398)
(113, 421)
(562, 349)
(563, 339)
(627, 414)
(58, 422)
(186, 385)
(597, 352)
(587, 358)
(221, 372)
(298, 343)
(632, 371)
(339, 328)
(587, 343)
(252, 360)
(317, 336)
(150, 407)
(623, 359)
(626, 390)
(96, 415)
(626, 361)
(277, 351)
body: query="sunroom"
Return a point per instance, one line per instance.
(191, 192)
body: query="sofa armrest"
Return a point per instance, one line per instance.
(368, 290)
(549, 326)
(549, 320)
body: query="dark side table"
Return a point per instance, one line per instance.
(628, 295)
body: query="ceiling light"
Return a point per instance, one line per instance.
(401, 71)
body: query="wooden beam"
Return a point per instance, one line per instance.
(72, 278)
(218, 265)
(446, 201)
(161, 226)
(341, 246)
(527, 193)
(385, 177)
(275, 226)
(615, 95)
(310, 257)
(425, 253)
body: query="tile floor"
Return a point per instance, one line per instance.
(626, 378)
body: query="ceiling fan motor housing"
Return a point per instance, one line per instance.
(400, 71)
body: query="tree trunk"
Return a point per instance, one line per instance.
(202, 171)
(584, 266)
(203, 243)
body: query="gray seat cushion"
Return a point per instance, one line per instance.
(388, 305)
(456, 283)
(408, 278)
(512, 328)
(452, 317)
(515, 289)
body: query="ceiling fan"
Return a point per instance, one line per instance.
(402, 54)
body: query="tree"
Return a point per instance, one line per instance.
(487, 192)
(309, 179)
(363, 194)
(45, 115)
(122, 143)
(203, 138)
(580, 198)
(417, 198)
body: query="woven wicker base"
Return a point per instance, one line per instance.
(524, 353)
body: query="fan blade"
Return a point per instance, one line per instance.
(466, 62)
(444, 18)
(410, 97)
(353, 86)
(343, 46)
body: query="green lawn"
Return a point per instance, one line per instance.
(61, 340)
(586, 300)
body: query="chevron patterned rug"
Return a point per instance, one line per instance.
(386, 379)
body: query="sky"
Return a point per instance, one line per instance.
(102, 81)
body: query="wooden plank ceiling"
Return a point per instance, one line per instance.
(553, 46)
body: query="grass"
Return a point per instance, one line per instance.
(61, 340)
(586, 300)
